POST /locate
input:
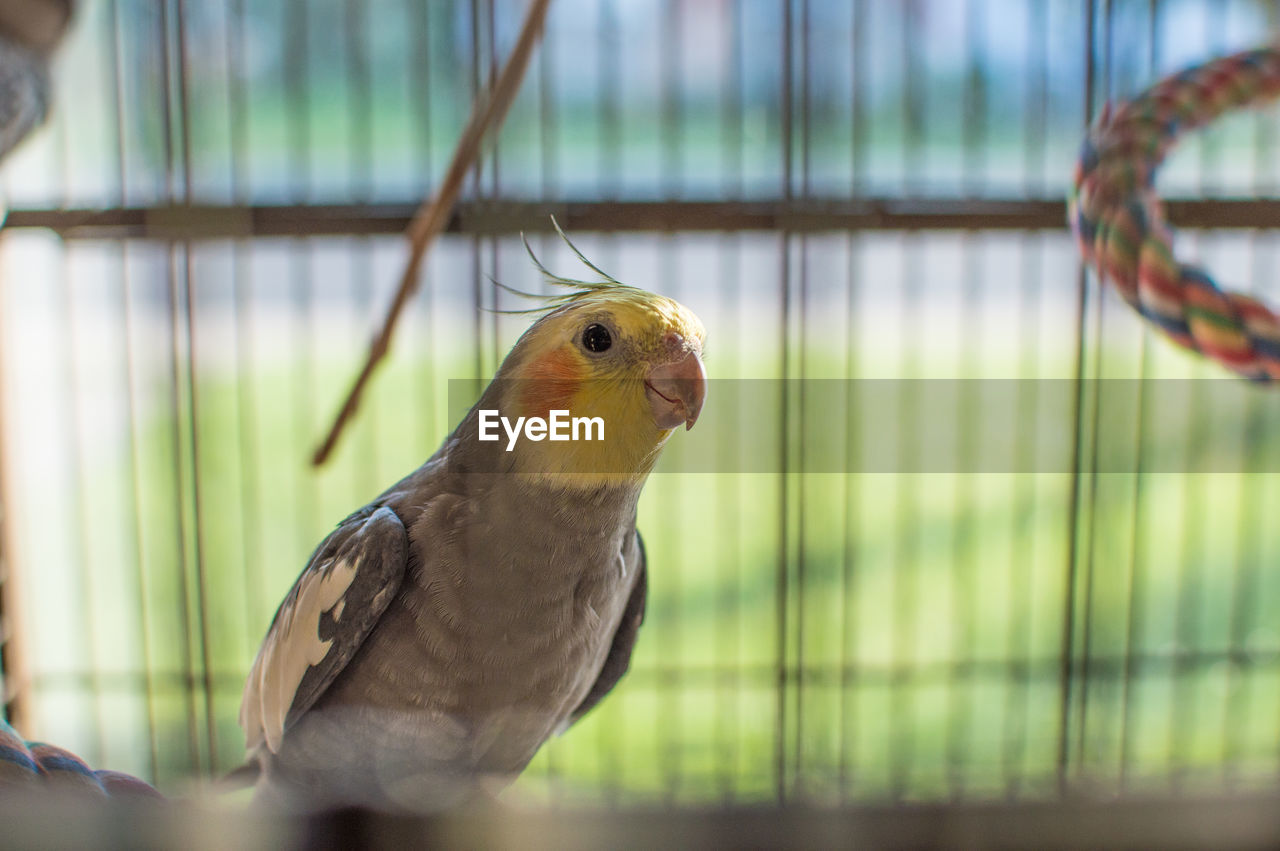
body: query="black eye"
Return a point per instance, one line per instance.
(596, 338)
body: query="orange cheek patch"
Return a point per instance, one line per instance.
(549, 383)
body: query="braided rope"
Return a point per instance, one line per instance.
(37, 766)
(1119, 220)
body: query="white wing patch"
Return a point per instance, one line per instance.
(293, 646)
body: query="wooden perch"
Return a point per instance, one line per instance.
(487, 113)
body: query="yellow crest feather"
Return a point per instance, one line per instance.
(580, 289)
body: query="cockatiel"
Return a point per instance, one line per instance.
(29, 31)
(492, 597)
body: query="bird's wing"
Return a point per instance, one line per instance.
(343, 591)
(624, 641)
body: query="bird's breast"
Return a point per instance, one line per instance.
(504, 635)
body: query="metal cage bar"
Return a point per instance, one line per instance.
(876, 203)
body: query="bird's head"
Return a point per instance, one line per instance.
(605, 350)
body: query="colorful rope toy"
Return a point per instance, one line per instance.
(35, 766)
(1119, 220)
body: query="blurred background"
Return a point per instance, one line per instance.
(202, 240)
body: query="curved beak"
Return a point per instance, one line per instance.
(676, 390)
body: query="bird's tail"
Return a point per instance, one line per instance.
(239, 778)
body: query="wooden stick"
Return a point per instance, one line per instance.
(488, 112)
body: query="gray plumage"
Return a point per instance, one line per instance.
(29, 31)
(444, 631)
(466, 672)
(24, 93)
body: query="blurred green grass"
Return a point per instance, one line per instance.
(921, 633)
